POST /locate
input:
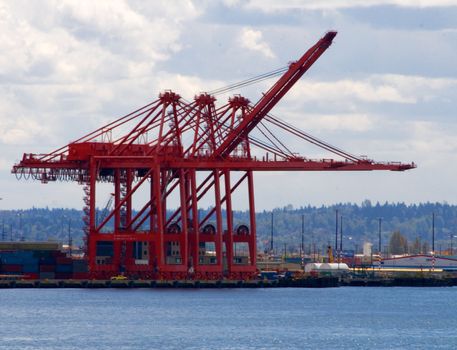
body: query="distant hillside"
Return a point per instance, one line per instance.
(360, 224)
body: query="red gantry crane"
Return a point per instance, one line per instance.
(189, 151)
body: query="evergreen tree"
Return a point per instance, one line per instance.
(425, 248)
(398, 244)
(416, 248)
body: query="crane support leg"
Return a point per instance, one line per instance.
(217, 193)
(229, 214)
(91, 242)
(195, 225)
(253, 232)
(184, 242)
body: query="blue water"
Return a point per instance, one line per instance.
(334, 318)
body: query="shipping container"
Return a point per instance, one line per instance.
(11, 268)
(64, 268)
(48, 260)
(47, 268)
(63, 275)
(31, 276)
(30, 268)
(80, 266)
(80, 275)
(33, 246)
(47, 275)
(41, 254)
(11, 260)
(64, 261)
(29, 261)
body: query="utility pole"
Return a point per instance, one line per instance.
(20, 228)
(433, 233)
(379, 234)
(3, 226)
(336, 230)
(341, 238)
(314, 251)
(452, 249)
(302, 235)
(271, 240)
(70, 239)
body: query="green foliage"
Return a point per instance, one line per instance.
(416, 248)
(360, 224)
(398, 244)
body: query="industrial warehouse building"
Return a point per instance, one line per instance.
(420, 261)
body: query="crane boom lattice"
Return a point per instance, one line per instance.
(195, 151)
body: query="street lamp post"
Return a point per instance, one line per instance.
(70, 239)
(271, 239)
(433, 233)
(3, 226)
(379, 235)
(302, 247)
(336, 230)
(341, 239)
(452, 236)
(20, 228)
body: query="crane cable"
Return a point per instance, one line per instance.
(249, 81)
(277, 121)
(314, 140)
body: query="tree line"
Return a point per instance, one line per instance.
(317, 225)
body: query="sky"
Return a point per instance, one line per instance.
(386, 88)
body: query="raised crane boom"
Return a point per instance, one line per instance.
(272, 96)
(194, 151)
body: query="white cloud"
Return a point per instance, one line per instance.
(184, 85)
(418, 88)
(434, 139)
(232, 3)
(70, 57)
(273, 5)
(68, 67)
(373, 89)
(21, 130)
(86, 40)
(333, 122)
(367, 90)
(252, 40)
(5, 164)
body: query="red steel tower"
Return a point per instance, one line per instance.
(189, 151)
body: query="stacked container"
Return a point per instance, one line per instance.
(19, 262)
(35, 263)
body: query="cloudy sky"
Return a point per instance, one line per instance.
(386, 88)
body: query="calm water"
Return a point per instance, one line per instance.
(337, 318)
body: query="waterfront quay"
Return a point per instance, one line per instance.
(304, 283)
(325, 282)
